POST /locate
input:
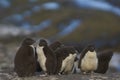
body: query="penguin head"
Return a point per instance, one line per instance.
(58, 44)
(91, 53)
(91, 48)
(73, 50)
(43, 42)
(70, 49)
(28, 41)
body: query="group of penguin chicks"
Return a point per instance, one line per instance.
(58, 59)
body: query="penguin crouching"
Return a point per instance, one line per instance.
(65, 60)
(88, 60)
(24, 62)
(46, 57)
(104, 58)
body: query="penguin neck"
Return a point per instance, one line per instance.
(40, 50)
(90, 54)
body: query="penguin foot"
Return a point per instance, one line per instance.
(92, 74)
(84, 73)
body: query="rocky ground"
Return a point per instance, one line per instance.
(10, 75)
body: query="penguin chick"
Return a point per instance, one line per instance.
(88, 59)
(46, 57)
(24, 62)
(65, 59)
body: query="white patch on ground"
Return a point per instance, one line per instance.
(89, 62)
(41, 57)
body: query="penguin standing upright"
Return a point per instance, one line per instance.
(24, 62)
(65, 59)
(88, 59)
(46, 57)
(104, 58)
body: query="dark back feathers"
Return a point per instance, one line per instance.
(104, 58)
(25, 63)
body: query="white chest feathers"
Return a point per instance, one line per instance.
(41, 57)
(67, 63)
(89, 62)
(33, 49)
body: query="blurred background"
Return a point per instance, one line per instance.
(73, 22)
